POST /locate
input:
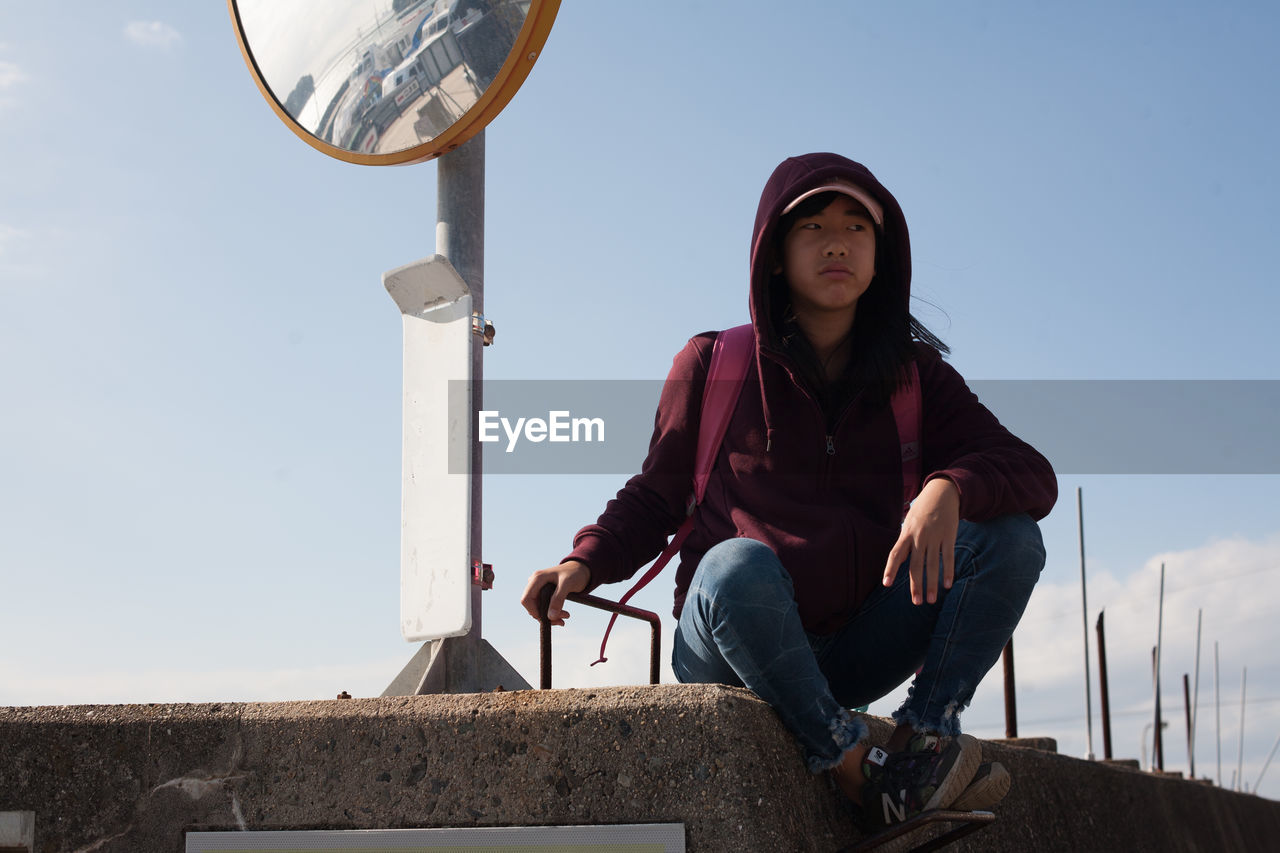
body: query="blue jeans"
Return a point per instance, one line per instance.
(740, 626)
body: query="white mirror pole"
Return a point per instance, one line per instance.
(455, 659)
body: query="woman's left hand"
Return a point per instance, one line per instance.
(928, 538)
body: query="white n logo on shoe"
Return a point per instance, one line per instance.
(899, 808)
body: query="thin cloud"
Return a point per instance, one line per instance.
(30, 686)
(1231, 583)
(152, 34)
(11, 76)
(10, 235)
(21, 258)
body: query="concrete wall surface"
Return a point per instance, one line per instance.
(136, 778)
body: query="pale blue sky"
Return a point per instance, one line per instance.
(199, 441)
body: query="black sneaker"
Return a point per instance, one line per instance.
(929, 774)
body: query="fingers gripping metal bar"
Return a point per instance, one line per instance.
(544, 627)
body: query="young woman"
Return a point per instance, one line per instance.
(802, 580)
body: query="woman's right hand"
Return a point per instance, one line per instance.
(568, 577)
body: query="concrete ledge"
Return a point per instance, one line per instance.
(128, 778)
(1046, 744)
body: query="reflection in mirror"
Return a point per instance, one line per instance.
(379, 76)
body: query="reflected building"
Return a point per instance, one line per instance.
(420, 69)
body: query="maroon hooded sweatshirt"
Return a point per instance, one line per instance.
(825, 493)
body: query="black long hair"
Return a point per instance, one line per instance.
(884, 332)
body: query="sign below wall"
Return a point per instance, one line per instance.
(619, 838)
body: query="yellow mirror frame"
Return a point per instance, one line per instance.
(526, 50)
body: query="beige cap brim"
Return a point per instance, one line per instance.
(852, 190)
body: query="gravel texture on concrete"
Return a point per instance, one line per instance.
(136, 777)
(716, 759)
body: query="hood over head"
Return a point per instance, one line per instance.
(800, 176)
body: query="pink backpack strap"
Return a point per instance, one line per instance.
(730, 360)
(907, 415)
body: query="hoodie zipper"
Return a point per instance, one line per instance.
(827, 468)
(851, 584)
(828, 473)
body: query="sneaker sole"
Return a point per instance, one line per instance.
(962, 773)
(989, 786)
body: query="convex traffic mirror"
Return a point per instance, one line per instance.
(387, 82)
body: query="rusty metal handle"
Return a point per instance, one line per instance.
(544, 627)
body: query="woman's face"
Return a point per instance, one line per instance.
(829, 259)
